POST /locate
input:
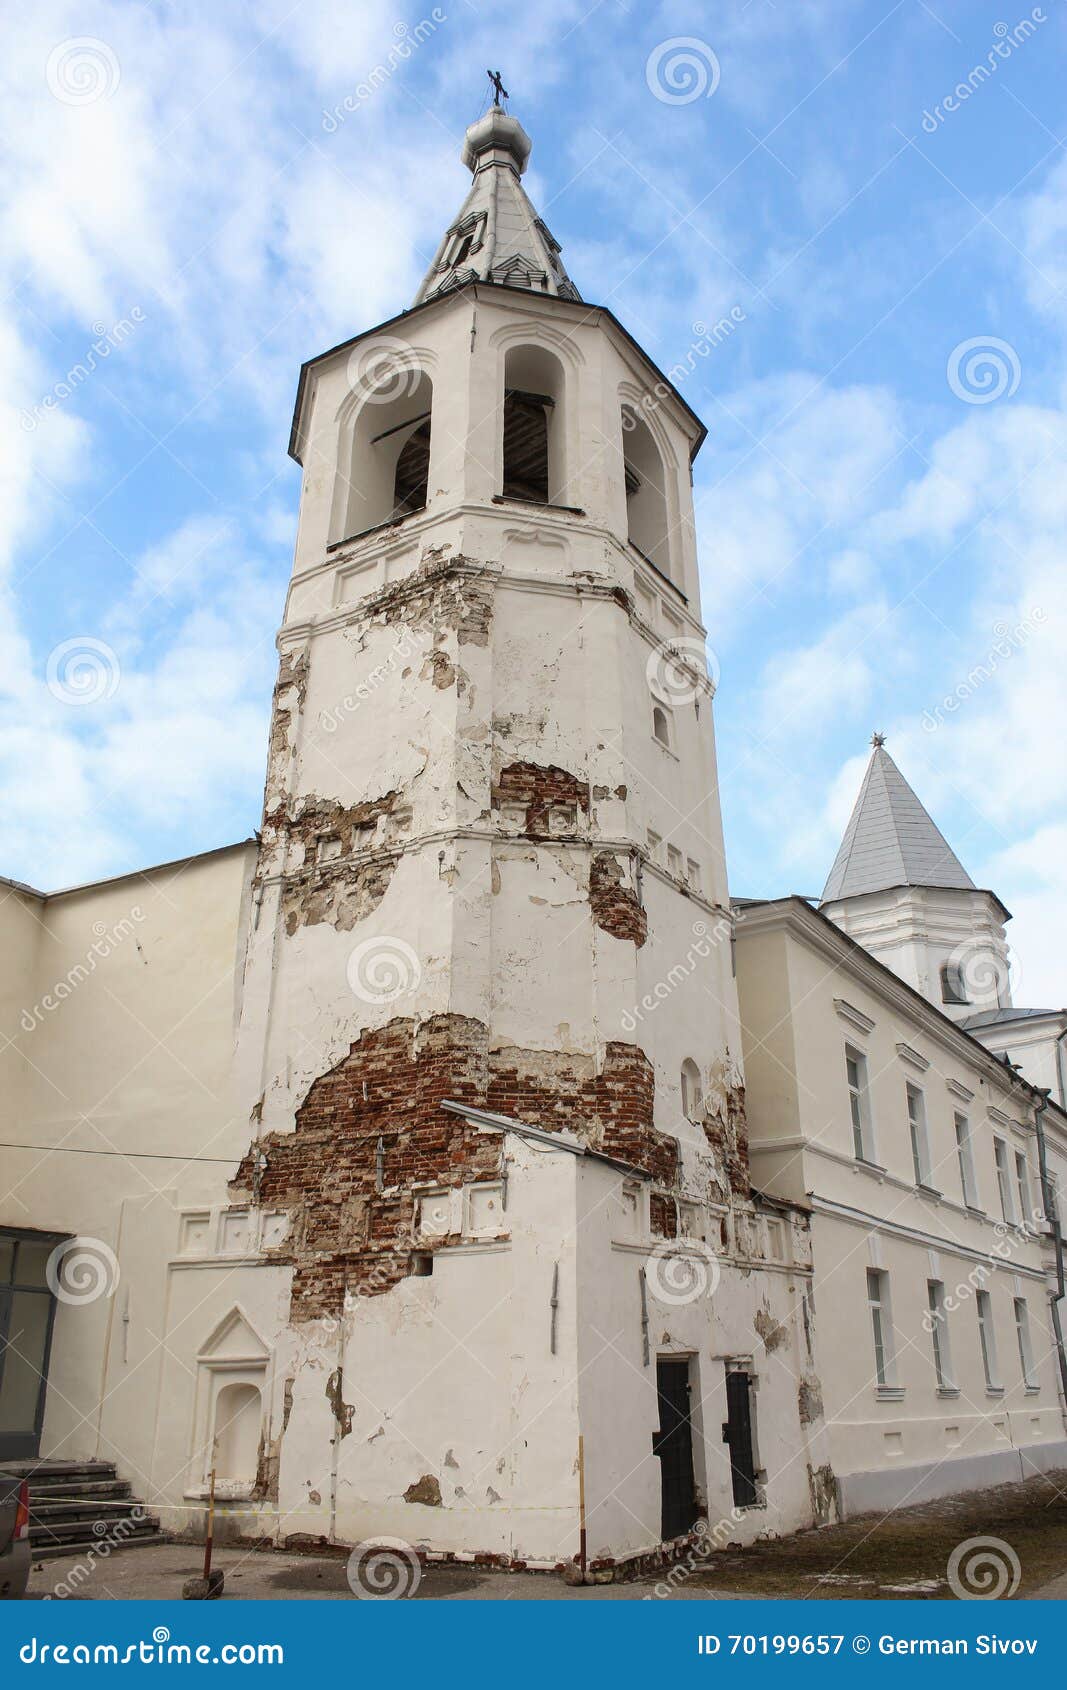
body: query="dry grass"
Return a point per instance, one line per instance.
(868, 1556)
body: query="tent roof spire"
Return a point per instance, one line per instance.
(890, 839)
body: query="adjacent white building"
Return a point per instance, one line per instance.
(407, 1148)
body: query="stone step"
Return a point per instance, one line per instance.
(75, 1491)
(59, 1472)
(81, 1508)
(82, 1534)
(54, 1551)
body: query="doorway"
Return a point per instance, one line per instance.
(737, 1433)
(27, 1311)
(673, 1444)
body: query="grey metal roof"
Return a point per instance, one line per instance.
(497, 236)
(998, 1017)
(891, 841)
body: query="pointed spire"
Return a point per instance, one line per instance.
(890, 839)
(497, 236)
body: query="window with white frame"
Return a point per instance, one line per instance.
(920, 1138)
(1007, 1199)
(859, 1104)
(674, 862)
(938, 1320)
(881, 1328)
(661, 725)
(692, 874)
(953, 984)
(655, 846)
(987, 1338)
(965, 1157)
(1022, 1186)
(1026, 1348)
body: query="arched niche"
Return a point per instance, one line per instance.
(647, 505)
(384, 455)
(535, 427)
(692, 1090)
(237, 1431)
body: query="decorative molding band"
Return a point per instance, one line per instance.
(875, 1224)
(913, 1057)
(958, 1089)
(855, 1017)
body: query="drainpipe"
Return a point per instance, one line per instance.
(1053, 1219)
(1060, 1070)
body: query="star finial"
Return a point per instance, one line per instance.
(877, 740)
(500, 93)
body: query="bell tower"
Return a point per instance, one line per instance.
(491, 880)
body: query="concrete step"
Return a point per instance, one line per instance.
(72, 1490)
(41, 1473)
(81, 1508)
(54, 1551)
(79, 1534)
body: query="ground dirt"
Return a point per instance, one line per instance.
(906, 1553)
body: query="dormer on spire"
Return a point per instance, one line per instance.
(498, 236)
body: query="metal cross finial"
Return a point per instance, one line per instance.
(877, 740)
(500, 93)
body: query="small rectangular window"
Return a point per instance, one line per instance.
(1022, 1186)
(953, 985)
(1026, 1348)
(674, 862)
(988, 1339)
(938, 1321)
(692, 874)
(859, 1104)
(655, 846)
(881, 1326)
(1007, 1201)
(920, 1141)
(965, 1156)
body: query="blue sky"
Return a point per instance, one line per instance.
(881, 523)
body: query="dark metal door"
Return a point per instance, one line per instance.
(27, 1309)
(737, 1432)
(673, 1443)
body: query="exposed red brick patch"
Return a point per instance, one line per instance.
(330, 885)
(662, 1215)
(616, 906)
(443, 593)
(726, 1128)
(353, 1205)
(541, 788)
